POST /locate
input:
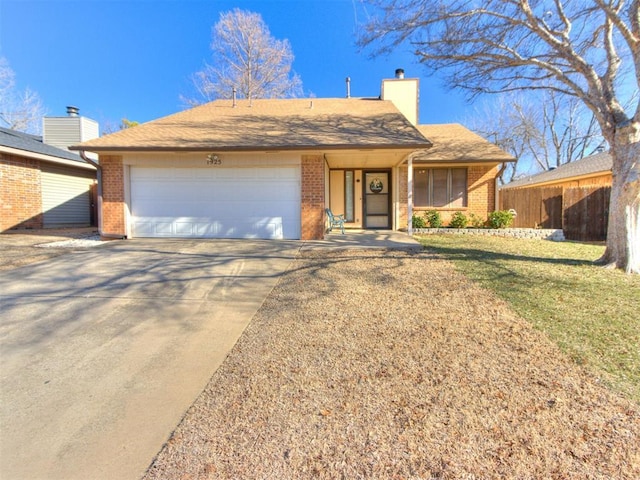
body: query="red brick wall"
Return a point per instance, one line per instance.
(113, 207)
(21, 193)
(481, 194)
(312, 197)
(481, 198)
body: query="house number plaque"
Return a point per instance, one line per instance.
(213, 159)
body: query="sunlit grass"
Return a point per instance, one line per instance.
(591, 312)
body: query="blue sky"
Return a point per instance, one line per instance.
(132, 59)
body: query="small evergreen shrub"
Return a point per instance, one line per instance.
(458, 220)
(476, 221)
(433, 218)
(500, 219)
(418, 222)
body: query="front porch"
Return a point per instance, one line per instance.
(368, 187)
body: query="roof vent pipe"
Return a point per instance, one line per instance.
(72, 111)
(234, 96)
(348, 80)
(399, 73)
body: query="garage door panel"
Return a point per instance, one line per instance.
(216, 203)
(253, 227)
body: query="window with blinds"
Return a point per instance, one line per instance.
(440, 187)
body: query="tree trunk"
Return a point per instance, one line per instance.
(623, 235)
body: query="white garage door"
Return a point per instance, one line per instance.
(216, 202)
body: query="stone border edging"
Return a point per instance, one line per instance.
(556, 235)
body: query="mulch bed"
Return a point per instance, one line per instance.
(390, 365)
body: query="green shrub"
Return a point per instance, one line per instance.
(418, 222)
(475, 221)
(500, 219)
(433, 218)
(458, 220)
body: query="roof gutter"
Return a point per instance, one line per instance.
(258, 148)
(98, 168)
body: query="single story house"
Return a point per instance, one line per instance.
(269, 168)
(591, 171)
(42, 184)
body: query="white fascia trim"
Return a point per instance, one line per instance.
(46, 158)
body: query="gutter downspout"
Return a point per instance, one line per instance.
(99, 178)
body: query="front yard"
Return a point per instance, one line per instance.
(592, 313)
(392, 365)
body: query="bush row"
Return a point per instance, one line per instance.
(433, 219)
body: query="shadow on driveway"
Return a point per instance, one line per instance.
(104, 349)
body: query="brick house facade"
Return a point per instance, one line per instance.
(269, 168)
(113, 206)
(20, 195)
(42, 185)
(312, 197)
(481, 194)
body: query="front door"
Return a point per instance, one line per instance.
(377, 199)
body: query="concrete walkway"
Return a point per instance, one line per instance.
(102, 351)
(365, 239)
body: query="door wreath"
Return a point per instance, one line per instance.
(376, 185)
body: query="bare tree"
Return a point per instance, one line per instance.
(541, 129)
(246, 57)
(565, 131)
(588, 49)
(510, 124)
(109, 126)
(21, 111)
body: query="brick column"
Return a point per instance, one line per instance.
(312, 197)
(402, 197)
(113, 207)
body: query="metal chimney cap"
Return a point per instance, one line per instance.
(72, 111)
(399, 72)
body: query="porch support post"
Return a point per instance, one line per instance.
(410, 194)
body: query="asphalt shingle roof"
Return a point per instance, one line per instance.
(270, 124)
(598, 163)
(33, 143)
(453, 142)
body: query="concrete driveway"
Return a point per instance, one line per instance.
(102, 351)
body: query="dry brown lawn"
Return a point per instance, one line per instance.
(390, 365)
(20, 247)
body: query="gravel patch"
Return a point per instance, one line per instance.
(19, 248)
(389, 365)
(86, 242)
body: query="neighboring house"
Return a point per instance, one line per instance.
(573, 197)
(269, 168)
(591, 171)
(42, 184)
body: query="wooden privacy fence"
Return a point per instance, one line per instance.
(586, 213)
(581, 212)
(535, 207)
